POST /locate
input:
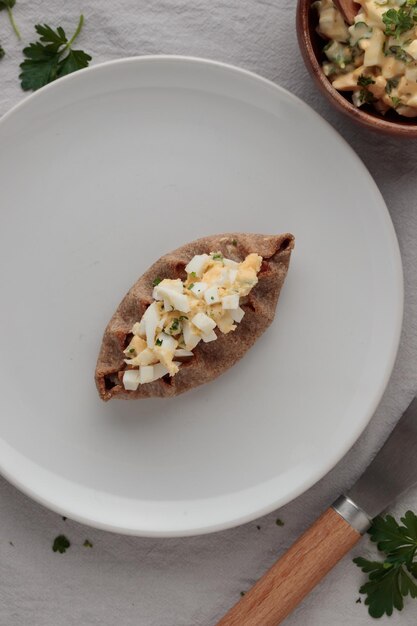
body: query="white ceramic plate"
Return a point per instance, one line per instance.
(103, 172)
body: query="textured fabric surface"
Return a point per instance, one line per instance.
(192, 582)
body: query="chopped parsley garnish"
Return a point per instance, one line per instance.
(234, 242)
(392, 83)
(212, 298)
(87, 544)
(279, 522)
(191, 286)
(156, 281)
(396, 101)
(193, 275)
(399, 53)
(183, 317)
(61, 543)
(218, 256)
(131, 350)
(399, 21)
(159, 342)
(51, 57)
(175, 324)
(364, 81)
(366, 97)
(395, 577)
(242, 593)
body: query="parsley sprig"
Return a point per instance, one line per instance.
(394, 578)
(8, 5)
(51, 57)
(399, 21)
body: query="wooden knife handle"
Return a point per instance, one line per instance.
(295, 574)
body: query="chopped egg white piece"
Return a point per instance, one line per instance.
(186, 312)
(210, 336)
(230, 302)
(151, 317)
(198, 264)
(146, 374)
(191, 336)
(131, 380)
(203, 322)
(211, 295)
(181, 352)
(198, 288)
(237, 314)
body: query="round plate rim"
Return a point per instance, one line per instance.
(337, 454)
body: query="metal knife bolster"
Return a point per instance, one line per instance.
(352, 514)
(393, 470)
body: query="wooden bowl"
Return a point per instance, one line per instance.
(311, 45)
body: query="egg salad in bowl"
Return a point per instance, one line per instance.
(375, 58)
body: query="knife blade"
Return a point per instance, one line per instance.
(318, 550)
(393, 471)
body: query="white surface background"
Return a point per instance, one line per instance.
(191, 582)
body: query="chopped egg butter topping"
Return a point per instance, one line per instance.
(185, 313)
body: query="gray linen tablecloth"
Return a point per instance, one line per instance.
(130, 581)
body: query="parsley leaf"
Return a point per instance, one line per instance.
(159, 342)
(61, 543)
(366, 97)
(156, 281)
(51, 57)
(392, 83)
(399, 53)
(87, 544)
(395, 577)
(398, 21)
(364, 81)
(8, 5)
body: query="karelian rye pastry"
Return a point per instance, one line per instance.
(220, 294)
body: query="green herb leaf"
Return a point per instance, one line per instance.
(395, 101)
(234, 242)
(399, 53)
(395, 577)
(392, 83)
(51, 57)
(191, 286)
(217, 256)
(175, 324)
(398, 21)
(193, 275)
(61, 543)
(364, 81)
(156, 281)
(279, 522)
(131, 350)
(87, 544)
(366, 97)
(159, 342)
(75, 60)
